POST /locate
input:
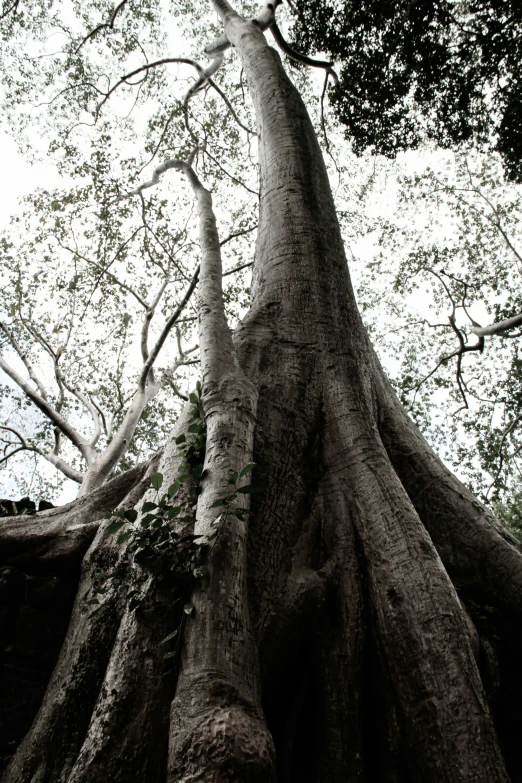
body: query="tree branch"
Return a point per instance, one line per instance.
(165, 61)
(166, 329)
(25, 358)
(50, 456)
(105, 25)
(237, 234)
(499, 327)
(301, 58)
(264, 19)
(13, 8)
(230, 107)
(81, 444)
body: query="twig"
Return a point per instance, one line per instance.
(238, 268)
(14, 8)
(301, 58)
(166, 329)
(237, 234)
(105, 25)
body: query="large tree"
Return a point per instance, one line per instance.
(361, 620)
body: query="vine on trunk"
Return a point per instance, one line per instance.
(160, 539)
(164, 527)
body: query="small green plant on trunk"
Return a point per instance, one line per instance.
(160, 539)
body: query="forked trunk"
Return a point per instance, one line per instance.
(364, 624)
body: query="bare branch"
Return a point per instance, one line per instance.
(237, 234)
(81, 444)
(461, 350)
(16, 449)
(101, 414)
(499, 327)
(301, 58)
(155, 64)
(231, 176)
(104, 26)
(50, 456)
(238, 268)
(12, 9)
(166, 329)
(230, 107)
(25, 358)
(175, 389)
(172, 163)
(104, 271)
(204, 75)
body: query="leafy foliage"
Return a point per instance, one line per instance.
(84, 267)
(454, 236)
(160, 538)
(443, 70)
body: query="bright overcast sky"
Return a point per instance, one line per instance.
(19, 177)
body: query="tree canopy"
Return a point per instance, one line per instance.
(441, 297)
(423, 69)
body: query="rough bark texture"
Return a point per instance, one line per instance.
(366, 624)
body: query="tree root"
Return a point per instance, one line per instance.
(60, 536)
(475, 549)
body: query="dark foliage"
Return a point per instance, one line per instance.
(449, 71)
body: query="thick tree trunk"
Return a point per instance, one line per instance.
(361, 626)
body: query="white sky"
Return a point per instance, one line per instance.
(19, 177)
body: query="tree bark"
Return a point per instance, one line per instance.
(328, 642)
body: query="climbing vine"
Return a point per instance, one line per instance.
(160, 538)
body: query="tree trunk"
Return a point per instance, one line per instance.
(365, 623)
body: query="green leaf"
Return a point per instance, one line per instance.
(170, 636)
(183, 478)
(247, 469)
(149, 506)
(250, 489)
(189, 609)
(195, 427)
(124, 537)
(173, 489)
(131, 514)
(170, 654)
(193, 398)
(156, 481)
(181, 438)
(220, 502)
(197, 471)
(233, 477)
(118, 513)
(198, 387)
(115, 526)
(173, 511)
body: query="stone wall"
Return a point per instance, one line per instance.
(34, 614)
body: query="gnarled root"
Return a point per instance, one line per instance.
(218, 736)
